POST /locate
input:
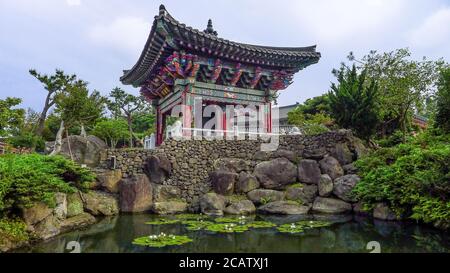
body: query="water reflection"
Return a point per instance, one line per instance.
(347, 234)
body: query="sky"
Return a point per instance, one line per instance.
(98, 39)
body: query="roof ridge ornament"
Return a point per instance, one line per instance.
(209, 28)
(162, 10)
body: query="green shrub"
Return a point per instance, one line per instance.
(27, 140)
(413, 178)
(25, 179)
(12, 231)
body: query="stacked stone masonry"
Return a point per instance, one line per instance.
(192, 161)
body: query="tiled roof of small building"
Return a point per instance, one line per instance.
(168, 34)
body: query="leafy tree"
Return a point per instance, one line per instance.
(111, 131)
(144, 123)
(312, 106)
(404, 85)
(55, 85)
(353, 102)
(126, 106)
(79, 108)
(442, 118)
(10, 118)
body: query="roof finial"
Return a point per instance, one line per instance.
(162, 9)
(209, 29)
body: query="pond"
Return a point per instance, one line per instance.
(345, 234)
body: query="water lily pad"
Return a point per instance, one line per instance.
(313, 224)
(190, 216)
(301, 226)
(196, 225)
(260, 224)
(161, 240)
(231, 219)
(227, 228)
(291, 228)
(163, 221)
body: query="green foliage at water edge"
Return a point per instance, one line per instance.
(12, 231)
(162, 240)
(412, 178)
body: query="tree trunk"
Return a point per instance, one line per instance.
(58, 140)
(130, 129)
(43, 116)
(83, 131)
(68, 144)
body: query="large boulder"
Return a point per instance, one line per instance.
(325, 185)
(47, 228)
(292, 156)
(261, 196)
(358, 208)
(232, 165)
(329, 165)
(60, 210)
(314, 153)
(331, 206)
(222, 182)
(77, 222)
(169, 207)
(358, 147)
(136, 194)
(342, 153)
(383, 212)
(212, 204)
(74, 204)
(262, 155)
(283, 207)
(304, 194)
(276, 173)
(241, 207)
(100, 203)
(109, 180)
(344, 185)
(36, 213)
(350, 169)
(163, 193)
(157, 168)
(246, 183)
(308, 171)
(84, 150)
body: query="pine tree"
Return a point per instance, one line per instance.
(443, 101)
(353, 102)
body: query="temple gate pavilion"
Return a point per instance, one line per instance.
(180, 63)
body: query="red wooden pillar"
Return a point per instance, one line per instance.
(159, 127)
(269, 124)
(224, 123)
(187, 115)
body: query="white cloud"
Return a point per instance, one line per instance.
(337, 21)
(434, 31)
(73, 2)
(127, 34)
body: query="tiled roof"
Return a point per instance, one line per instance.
(168, 34)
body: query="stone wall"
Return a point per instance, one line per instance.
(192, 161)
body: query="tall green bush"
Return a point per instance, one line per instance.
(413, 178)
(25, 179)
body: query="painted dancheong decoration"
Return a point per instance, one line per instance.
(179, 63)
